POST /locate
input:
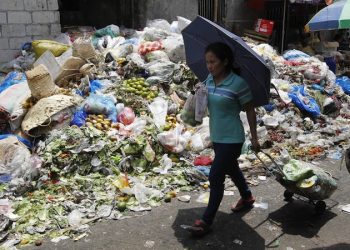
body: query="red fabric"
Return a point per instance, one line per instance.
(203, 161)
(150, 46)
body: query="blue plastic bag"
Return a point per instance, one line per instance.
(95, 86)
(12, 78)
(99, 104)
(79, 118)
(21, 139)
(344, 83)
(292, 55)
(299, 96)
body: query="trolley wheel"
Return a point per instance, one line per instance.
(288, 196)
(320, 207)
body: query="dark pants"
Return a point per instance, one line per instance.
(225, 163)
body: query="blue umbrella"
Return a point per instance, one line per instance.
(202, 32)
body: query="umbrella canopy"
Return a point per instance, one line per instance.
(202, 32)
(332, 17)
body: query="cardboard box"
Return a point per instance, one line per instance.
(264, 26)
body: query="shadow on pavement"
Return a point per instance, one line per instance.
(340, 246)
(229, 232)
(299, 218)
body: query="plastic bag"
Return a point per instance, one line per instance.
(200, 140)
(57, 49)
(159, 24)
(154, 34)
(156, 55)
(344, 83)
(296, 55)
(16, 159)
(188, 113)
(97, 86)
(163, 69)
(175, 48)
(304, 102)
(121, 51)
(137, 59)
(316, 71)
(165, 164)
(137, 127)
(147, 47)
(98, 104)
(182, 23)
(12, 78)
(110, 30)
(174, 140)
(203, 161)
(159, 110)
(175, 27)
(195, 107)
(79, 118)
(11, 103)
(127, 116)
(143, 193)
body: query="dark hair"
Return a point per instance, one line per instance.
(223, 52)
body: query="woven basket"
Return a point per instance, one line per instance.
(39, 115)
(40, 82)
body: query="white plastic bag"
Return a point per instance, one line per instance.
(154, 34)
(159, 110)
(156, 55)
(182, 23)
(165, 164)
(121, 51)
(137, 59)
(175, 48)
(159, 24)
(175, 140)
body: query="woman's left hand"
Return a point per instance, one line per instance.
(255, 145)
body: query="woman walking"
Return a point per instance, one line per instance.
(228, 95)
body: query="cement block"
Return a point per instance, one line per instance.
(3, 18)
(55, 29)
(4, 43)
(17, 42)
(19, 17)
(7, 55)
(46, 17)
(11, 5)
(13, 30)
(35, 5)
(52, 4)
(37, 30)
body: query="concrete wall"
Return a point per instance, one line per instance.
(24, 20)
(239, 16)
(169, 10)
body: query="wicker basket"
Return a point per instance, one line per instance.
(40, 82)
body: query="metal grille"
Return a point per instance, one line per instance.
(214, 10)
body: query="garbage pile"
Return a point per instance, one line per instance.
(91, 128)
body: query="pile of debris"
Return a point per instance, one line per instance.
(90, 128)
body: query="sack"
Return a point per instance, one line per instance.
(12, 78)
(39, 119)
(304, 102)
(40, 82)
(40, 46)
